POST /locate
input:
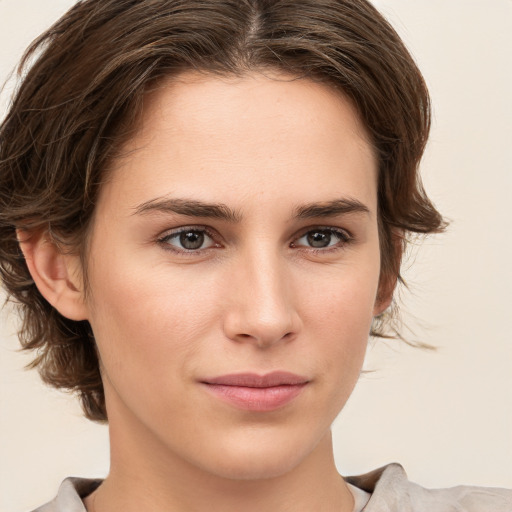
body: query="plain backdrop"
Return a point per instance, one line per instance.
(445, 415)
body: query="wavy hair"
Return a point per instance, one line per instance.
(82, 90)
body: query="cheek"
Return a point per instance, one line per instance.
(337, 318)
(342, 297)
(150, 331)
(150, 321)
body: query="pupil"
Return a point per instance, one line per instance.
(319, 239)
(192, 239)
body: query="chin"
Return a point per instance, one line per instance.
(259, 459)
(255, 468)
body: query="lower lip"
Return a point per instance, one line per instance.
(256, 399)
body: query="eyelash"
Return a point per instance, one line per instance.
(165, 239)
(343, 236)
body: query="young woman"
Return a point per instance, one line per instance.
(203, 211)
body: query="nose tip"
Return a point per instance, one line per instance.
(262, 332)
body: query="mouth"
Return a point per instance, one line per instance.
(258, 393)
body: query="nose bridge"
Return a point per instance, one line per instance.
(262, 309)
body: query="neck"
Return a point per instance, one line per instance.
(144, 476)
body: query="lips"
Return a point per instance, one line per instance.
(259, 393)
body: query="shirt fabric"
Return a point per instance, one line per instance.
(361, 498)
(388, 488)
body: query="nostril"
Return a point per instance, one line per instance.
(263, 324)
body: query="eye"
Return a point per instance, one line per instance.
(188, 240)
(323, 238)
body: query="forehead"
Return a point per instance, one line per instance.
(216, 105)
(200, 133)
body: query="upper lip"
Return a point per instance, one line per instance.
(253, 380)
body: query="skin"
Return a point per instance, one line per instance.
(255, 297)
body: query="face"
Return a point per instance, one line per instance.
(233, 266)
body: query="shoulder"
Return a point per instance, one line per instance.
(391, 491)
(69, 497)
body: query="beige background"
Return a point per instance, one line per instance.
(446, 416)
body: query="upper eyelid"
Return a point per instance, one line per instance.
(346, 239)
(334, 229)
(176, 231)
(165, 236)
(217, 238)
(209, 230)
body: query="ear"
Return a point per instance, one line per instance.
(390, 271)
(384, 295)
(57, 275)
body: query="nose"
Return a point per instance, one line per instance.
(261, 306)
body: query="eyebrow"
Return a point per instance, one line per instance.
(189, 208)
(331, 208)
(193, 208)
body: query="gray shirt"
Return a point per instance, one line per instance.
(388, 487)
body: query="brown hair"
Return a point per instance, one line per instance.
(85, 88)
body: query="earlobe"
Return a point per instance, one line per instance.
(56, 274)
